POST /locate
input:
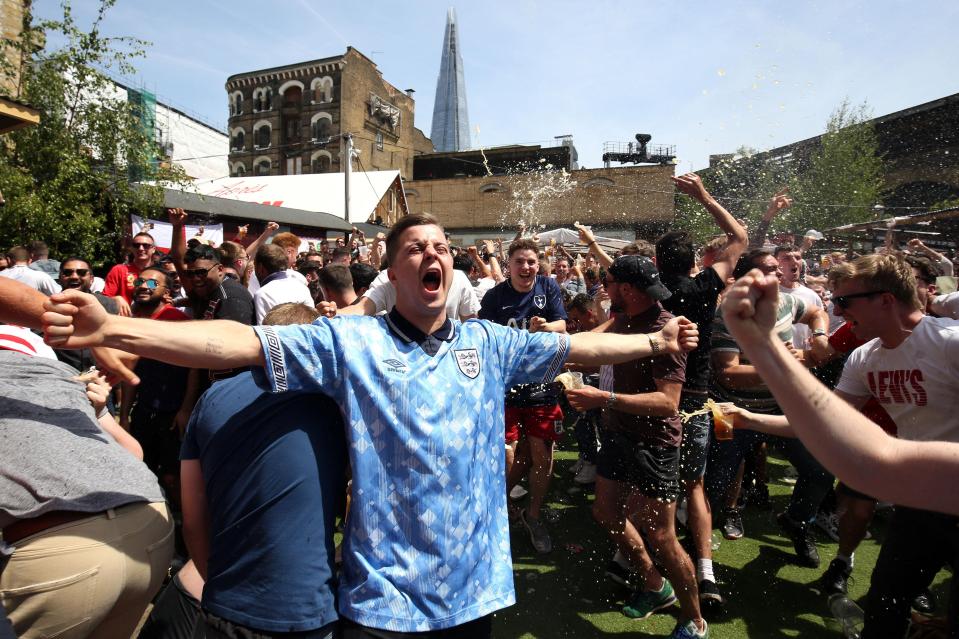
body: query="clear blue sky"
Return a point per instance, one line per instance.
(706, 77)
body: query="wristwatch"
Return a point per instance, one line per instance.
(611, 400)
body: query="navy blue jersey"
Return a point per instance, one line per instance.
(505, 305)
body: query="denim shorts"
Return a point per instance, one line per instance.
(695, 446)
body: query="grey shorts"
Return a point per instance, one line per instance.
(695, 446)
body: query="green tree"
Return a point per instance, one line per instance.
(838, 182)
(66, 180)
(843, 181)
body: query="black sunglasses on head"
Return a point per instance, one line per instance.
(82, 272)
(842, 301)
(198, 272)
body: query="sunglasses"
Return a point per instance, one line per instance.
(150, 283)
(842, 301)
(198, 272)
(142, 245)
(82, 272)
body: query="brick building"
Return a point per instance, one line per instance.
(287, 120)
(624, 203)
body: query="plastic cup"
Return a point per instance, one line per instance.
(722, 424)
(577, 379)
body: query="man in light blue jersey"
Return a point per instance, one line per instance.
(427, 544)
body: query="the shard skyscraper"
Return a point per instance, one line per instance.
(451, 124)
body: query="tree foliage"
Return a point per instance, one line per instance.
(66, 180)
(838, 181)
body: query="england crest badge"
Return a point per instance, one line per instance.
(539, 301)
(467, 359)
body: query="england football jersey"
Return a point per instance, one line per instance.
(427, 545)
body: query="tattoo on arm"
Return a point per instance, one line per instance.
(214, 345)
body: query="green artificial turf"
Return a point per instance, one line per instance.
(564, 594)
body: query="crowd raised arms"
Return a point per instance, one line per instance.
(251, 359)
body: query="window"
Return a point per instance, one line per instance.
(293, 129)
(239, 140)
(379, 141)
(321, 126)
(320, 162)
(239, 169)
(322, 90)
(294, 165)
(262, 133)
(262, 167)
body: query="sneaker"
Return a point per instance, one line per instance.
(829, 524)
(925, 602)
(834, 580)
(803, 543)
(621, 574)
(646, 602)
(710, 599)
(733, 524)
(586, 474)
(518, 492)
(538, 534)
(575, 468)
(689, 630)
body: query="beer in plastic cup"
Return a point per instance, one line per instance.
(722, 424)
(577, 379)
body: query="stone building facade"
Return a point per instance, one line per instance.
(625, 202)
(289, 120)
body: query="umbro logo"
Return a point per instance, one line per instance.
(395, 365)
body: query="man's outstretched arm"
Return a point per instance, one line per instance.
(591, 349)
(917, 474)
(77, 320)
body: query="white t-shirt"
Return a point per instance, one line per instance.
(460, 302)
(801, 332)
(482, 286)
(282, 288)
(946, 305)
(254, 284)
(915, 382)
(34, 279)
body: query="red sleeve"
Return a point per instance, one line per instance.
(113, 283)
(844, 340)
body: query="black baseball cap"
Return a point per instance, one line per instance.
(640, 272)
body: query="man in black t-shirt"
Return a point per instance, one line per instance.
(213, 296)
(695, 297)
(532, 302)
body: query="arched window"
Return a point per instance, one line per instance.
(239, 169)
(262, 166)
(322, 89)
(262, 133)
(236, 103)
(492, 187)
(320, 162)
(268, 99)
(238, 139)
(321, 127)
(599, 181)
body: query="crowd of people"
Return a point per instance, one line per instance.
(224, 409)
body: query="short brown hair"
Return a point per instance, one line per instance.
(18, 254)
(290, 313)
(927, 270)
(641, 248)
(523, 244)
(336, 277)
(230, 252)
(880, 272)
(785, 248)
(286, 240)
(408, 221)
(272, 258)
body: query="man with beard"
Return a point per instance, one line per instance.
(75, 273)
(213, 296)
(119, 281)
(160, 404)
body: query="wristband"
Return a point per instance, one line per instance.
(819, 332)
(654, 345)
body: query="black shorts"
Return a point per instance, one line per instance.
(481, 628)
(652, 470)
